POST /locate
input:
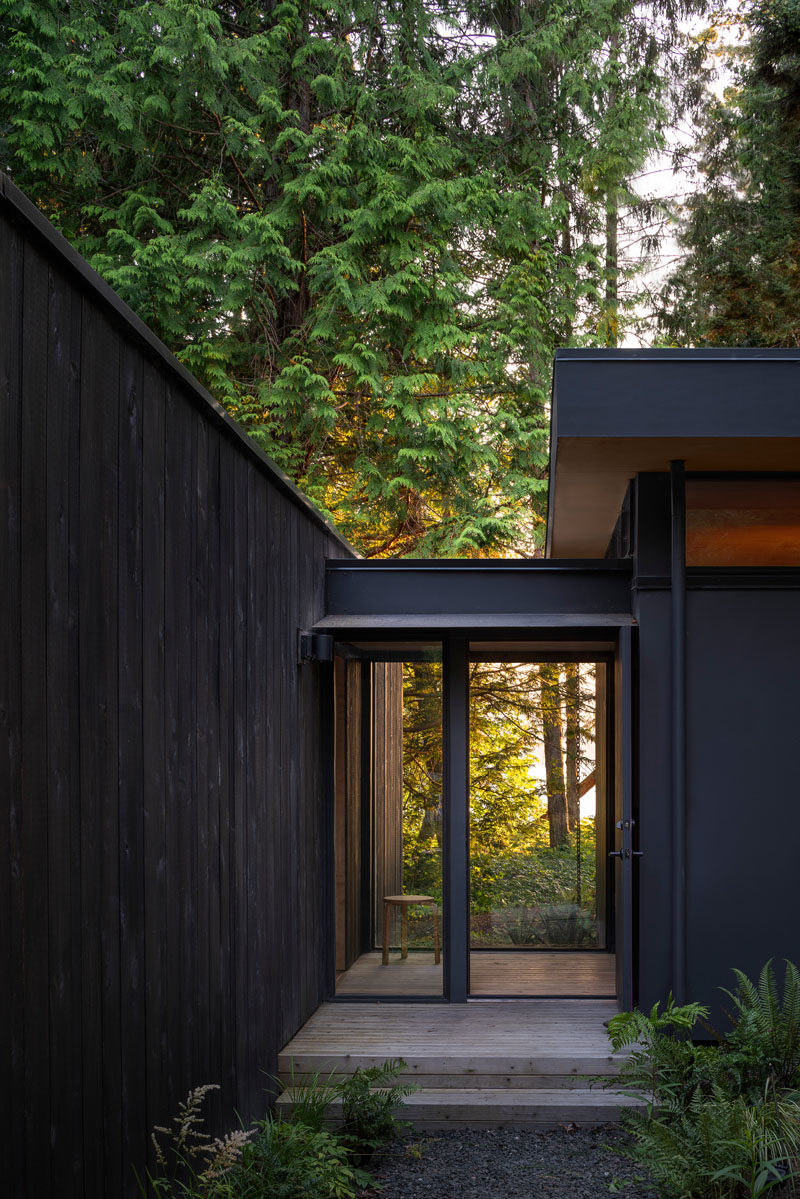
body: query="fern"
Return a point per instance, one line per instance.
(766, 1032)
(721, 1121)
(718, 1147)
(663, 1063)
(369, 1099)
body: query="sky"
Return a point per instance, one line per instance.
(660, 180)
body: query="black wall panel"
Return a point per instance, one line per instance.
(743, 725)
(652, 781)
(163, 778)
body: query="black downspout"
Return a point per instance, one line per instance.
(678, 614)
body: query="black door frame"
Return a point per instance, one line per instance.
(456, 657)
(455, 795)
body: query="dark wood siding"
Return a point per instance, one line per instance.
(164, 877)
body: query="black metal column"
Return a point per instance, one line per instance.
(623, 808)
(455, 795)
(678, 621)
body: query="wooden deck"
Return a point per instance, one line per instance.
(536, 974)
(510, 1062)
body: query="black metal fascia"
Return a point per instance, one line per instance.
(445, 590)
(601, 394)
(551, 466)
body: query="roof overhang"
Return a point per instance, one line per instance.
(430, 598)
(617, 413)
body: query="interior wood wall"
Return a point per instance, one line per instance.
(369, 802)
(387, 791)
(164, 891)
(352, 857)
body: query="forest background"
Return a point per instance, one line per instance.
(365, 226)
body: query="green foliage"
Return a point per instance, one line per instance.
(718, 1147)
(662, 1062)
(739, 284)
(766, 1032)
(720, 1121)
(291, 1161)
(311, 1098)
(523, 890)
(370, 1098)
(364, 226)
(294, 1158)
(538, 875)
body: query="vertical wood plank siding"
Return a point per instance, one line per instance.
(164, 875)
(387, 799)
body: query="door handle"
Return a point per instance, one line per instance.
(617, 853)
(626, 853)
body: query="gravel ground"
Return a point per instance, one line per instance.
(507, 1163)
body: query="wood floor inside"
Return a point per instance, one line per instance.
(535, 974)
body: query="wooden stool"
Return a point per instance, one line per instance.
(404, 902)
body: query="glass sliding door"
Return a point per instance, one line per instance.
(388, 820)
(538, 821)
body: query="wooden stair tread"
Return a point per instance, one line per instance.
(439, 1063)
(433, 1107)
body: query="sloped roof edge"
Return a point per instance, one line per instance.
(36, 223)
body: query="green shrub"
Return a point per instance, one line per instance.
(716, 1148)
(369, 1099)
(285, 1160)
(766, 1032)
(282, 1158)
(720, 1121)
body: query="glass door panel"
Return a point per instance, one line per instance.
(537, 823)
(388, 821)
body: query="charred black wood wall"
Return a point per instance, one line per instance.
(165, 906)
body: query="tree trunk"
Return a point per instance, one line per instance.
(573, 744)
(612, 235)
(612, 270)
(549, 677)
(427, 691)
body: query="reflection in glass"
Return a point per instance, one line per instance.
(743, 522)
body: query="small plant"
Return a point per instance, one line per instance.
(191, 1161)
(369, 1099)
(663, 1060)
(282, 1158)
(311, 1097)
(566, 924)
(766, 1032)
(285, 1160)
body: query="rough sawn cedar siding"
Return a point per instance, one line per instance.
(162, 770)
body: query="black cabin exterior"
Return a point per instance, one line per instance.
(185, 792)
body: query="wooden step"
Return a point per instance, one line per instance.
(459, 1079)
(490, 1063)
(487, 1107)
(455, 1070)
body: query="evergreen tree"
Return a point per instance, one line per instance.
(364, 226)
(740, 281)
